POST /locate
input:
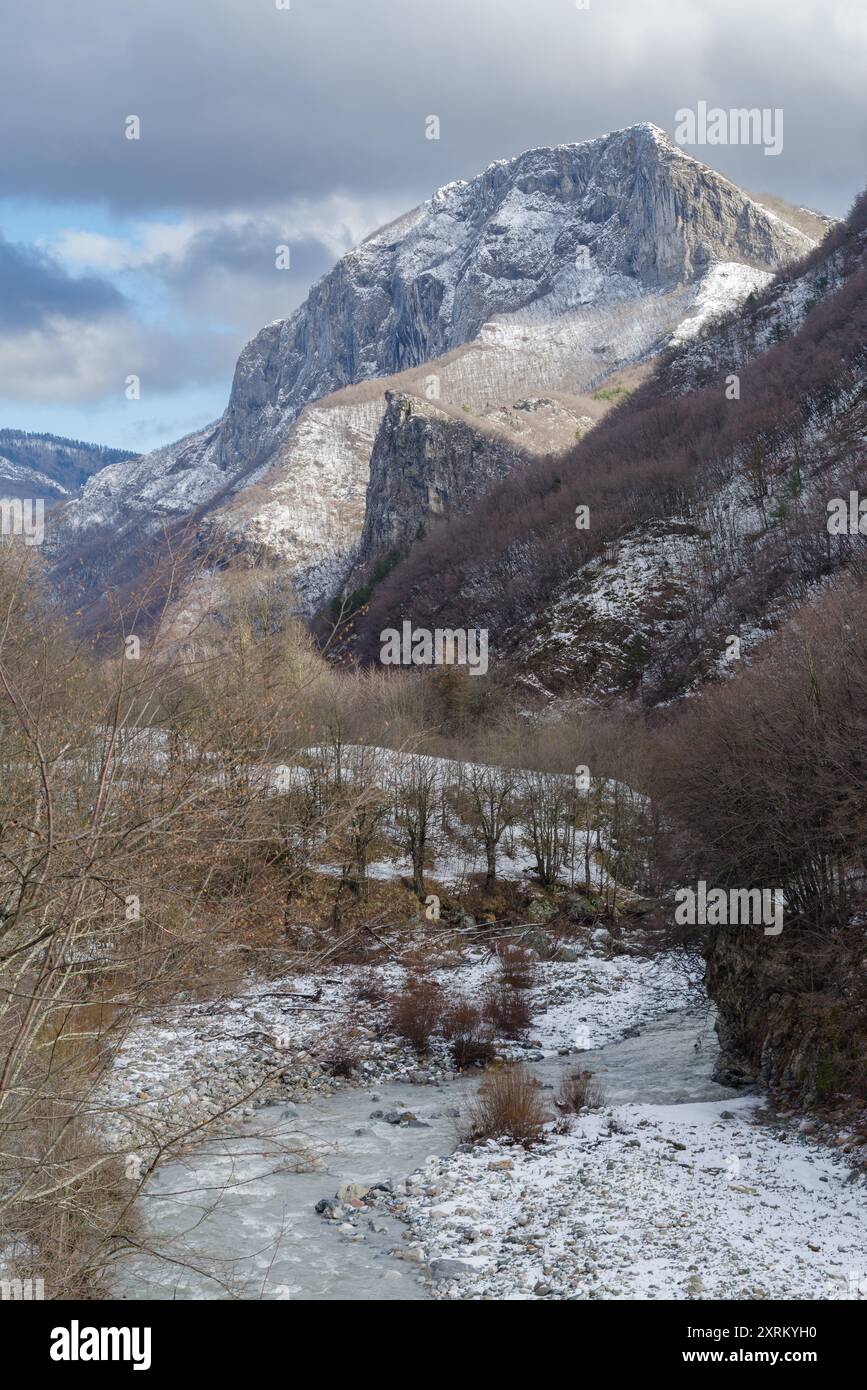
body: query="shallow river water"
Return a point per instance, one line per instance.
(232, 1226)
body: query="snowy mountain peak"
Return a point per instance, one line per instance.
(556, 267)
(533, 229)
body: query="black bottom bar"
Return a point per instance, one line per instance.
(191, 1337)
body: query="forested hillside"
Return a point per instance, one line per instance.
(713, 479)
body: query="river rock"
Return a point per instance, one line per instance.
(352, 1191)
(580, 909)
(449, 1269)
(541, 910)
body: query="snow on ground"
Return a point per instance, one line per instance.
(20, 475)
(632, 598)
(176, 1070)
(307, 512)
(644, 1202)
(647, 1201)
(515, 863)
(593, 1001)
(725, 285)
(455, 856)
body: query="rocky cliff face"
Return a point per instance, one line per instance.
(304, 518)
(425, 463)
(790, 1013)
(555, 228)
(546, 273)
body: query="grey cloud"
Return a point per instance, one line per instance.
(230, 273)
(248, 249)
(68, 360)
(34, 287)
(247, 110)
(242, 104)
(75, 338)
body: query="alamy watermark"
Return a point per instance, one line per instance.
(738, 126)
(20, 516)
(441, 647)
(847, 517)
(22, 1290)
(77, 1343)
(730, 907)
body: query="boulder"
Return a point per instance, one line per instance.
(541, 910)
(352, 1192)
(449, 1269)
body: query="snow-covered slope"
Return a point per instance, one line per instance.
(680, 598)
(545, 273)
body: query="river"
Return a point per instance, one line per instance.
(234, 1221)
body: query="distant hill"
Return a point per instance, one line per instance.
(49, 466)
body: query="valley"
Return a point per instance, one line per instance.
(433, 842)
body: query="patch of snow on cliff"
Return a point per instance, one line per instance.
(726, 285)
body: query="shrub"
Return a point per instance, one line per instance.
(417, 1012)
(611, 393)
(468, 1034)
(506, 1106)
(578, 1089)
(368, 987)
(341, 1051)
(508, 1010)
(517, 967)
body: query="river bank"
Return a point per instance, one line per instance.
(201, 1061)
(330, 1190)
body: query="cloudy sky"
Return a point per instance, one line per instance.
(305, 126)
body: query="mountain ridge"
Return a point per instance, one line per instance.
(707, 492)
(37, 464)
(546, 272)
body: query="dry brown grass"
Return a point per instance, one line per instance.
(417, 1012)
(577, 1089)
(508, 1010)
(506, 1106)
(384, 900)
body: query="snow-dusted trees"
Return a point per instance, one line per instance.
(416, 790)
(548, 810)
(491, 795)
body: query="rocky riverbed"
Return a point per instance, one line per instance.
(332, 1189)
(694, 1200)
(270, 1044)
